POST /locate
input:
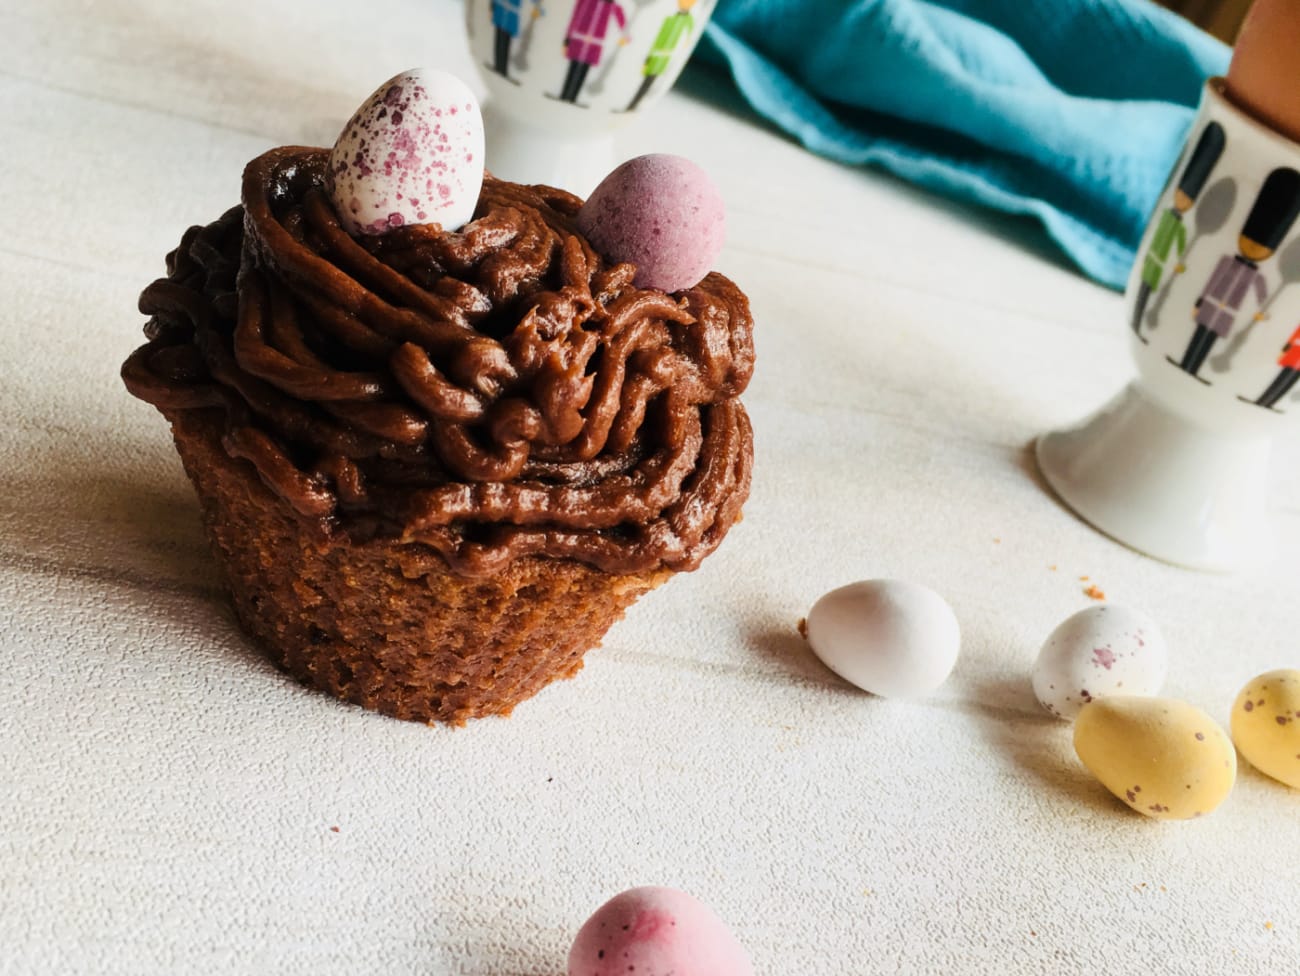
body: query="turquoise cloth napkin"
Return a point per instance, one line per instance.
(1072, 111)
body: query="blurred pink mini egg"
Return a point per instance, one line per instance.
(412, 154)
(656, 932)
(661, 213)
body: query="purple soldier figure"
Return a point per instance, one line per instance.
(1234, 276)
(585, 41)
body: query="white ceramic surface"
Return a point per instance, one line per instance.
(564, 75)
(1176, 466)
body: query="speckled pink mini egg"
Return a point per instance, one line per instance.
(656, 932)
(412, 154)
(1097, 653)
(661, 213)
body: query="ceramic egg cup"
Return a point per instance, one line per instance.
(564, 75)
(1176, 466)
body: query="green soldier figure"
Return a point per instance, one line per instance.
(675, 27)
(1170, 232)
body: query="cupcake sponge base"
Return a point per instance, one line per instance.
(386, 624)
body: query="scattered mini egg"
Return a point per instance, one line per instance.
(412, 154)
(890, 637)
(656, 932)
(1099, 651)
(1266, 725)
(661, 213)
(1164, 758)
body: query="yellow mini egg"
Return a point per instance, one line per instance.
(1266, 725)
(1164, 758)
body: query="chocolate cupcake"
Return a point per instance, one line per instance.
(435, 466)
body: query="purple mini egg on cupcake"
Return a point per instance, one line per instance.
(662, 213)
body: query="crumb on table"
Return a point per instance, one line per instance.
(1095, 591)
(802, 627)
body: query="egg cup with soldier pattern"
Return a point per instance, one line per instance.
(564, 75)
(1176, 466)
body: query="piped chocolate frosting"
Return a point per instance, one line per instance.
(494, 393)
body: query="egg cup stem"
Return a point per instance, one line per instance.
(1181, 493)
(523, 153)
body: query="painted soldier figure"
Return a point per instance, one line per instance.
(1171, 233)
(1286, 379)
(675, 27)
(507, 18)
(585, 41)
(1234, 276)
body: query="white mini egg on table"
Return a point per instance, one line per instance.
(1097, 652)
(890, 637)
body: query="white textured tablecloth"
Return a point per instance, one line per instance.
(170, 803)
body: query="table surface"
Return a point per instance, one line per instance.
(170, 803)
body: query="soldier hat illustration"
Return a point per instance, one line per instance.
(1170, 233)
(1202, 161)
(1215, 312)
(1274, 212)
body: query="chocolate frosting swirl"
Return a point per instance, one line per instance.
(494, 393)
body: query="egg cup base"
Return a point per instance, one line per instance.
(1181, 493)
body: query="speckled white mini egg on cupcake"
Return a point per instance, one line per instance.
(411, 154)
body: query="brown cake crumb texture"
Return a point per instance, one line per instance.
(386, 624)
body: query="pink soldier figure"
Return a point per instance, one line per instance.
(1236, 276)
(585, 41)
